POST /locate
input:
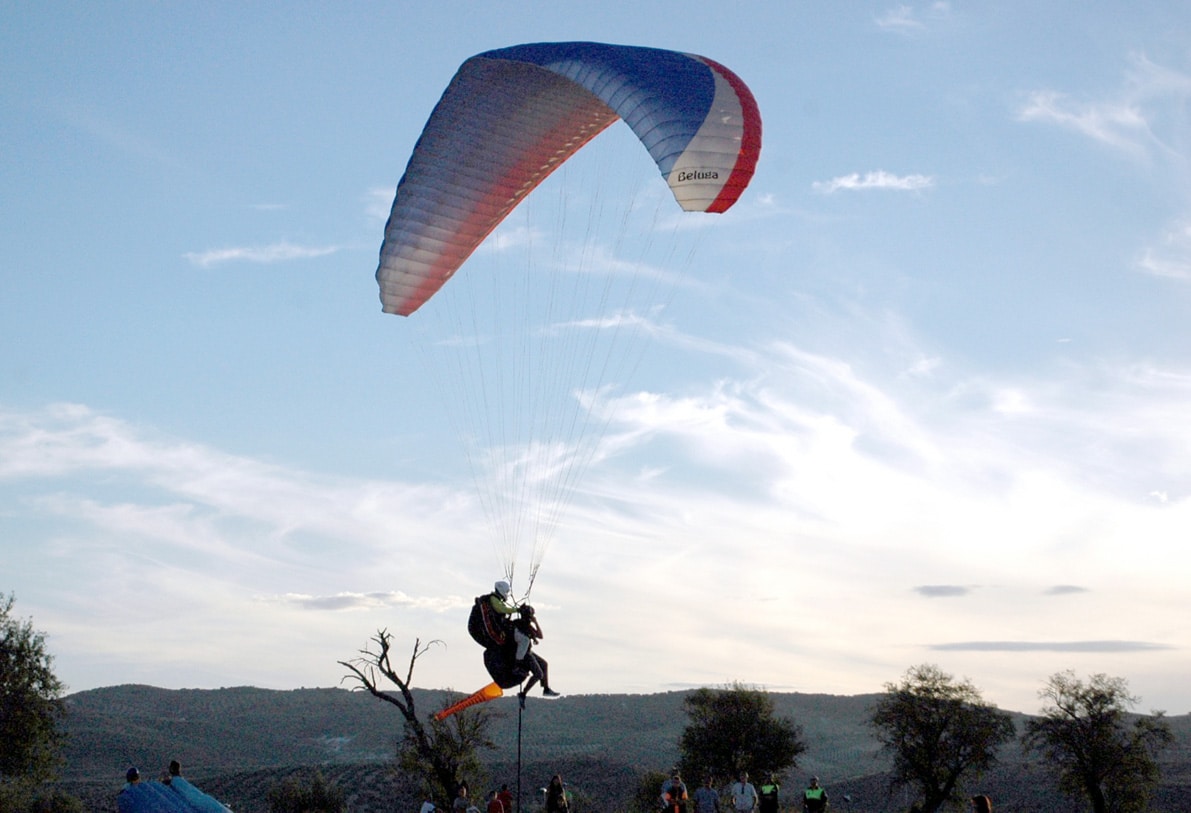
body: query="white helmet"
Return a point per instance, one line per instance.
(502, 588)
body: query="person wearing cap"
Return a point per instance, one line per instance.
(674, 799)
(815, 798)
(132, 776)
(675, 781)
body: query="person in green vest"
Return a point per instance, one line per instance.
(815, 798)
(769, 789)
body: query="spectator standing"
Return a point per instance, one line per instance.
(744, 795)
(815, 798)
(769, 795)
(506, 798)
(556, 796)
(674, 781)
(706, 799)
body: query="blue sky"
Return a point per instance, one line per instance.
(921, 396)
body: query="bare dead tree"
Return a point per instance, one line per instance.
(442, 752)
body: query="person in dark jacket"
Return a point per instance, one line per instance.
(556, 796)
(768, 793)
(815, 798)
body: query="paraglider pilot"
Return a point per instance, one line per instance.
(508, 643)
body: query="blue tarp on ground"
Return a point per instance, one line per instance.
(179, 796)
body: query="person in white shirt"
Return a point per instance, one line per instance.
(744, 795)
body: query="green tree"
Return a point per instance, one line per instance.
(441, 754)
(56, 801)
(1084, 736)
(450, 753)
(735, 729)
(31, 710)
(938, 732)
(647, 795)
(305, 793)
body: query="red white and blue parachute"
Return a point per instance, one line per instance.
(529, 359)
(511, 116)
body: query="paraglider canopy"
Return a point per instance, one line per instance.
(527, 368)
(511, 116)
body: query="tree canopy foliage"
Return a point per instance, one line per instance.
(735, 729)
(939, 732)
(1084, 736)
(309, 794)
(30, 709)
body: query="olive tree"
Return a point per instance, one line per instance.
(440, 753)
(1084, 735)
(31, 709)
(306, 794)
(939, 732)
(735, 729)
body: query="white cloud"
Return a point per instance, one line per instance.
(874, 180)
(1148, 117)
(906, 19)
(1117, 123)
(899, 18)
(925, 366)
(192, 496)
(804, 482)
(283, 251)
(378, 201)
(1171, 257)
(361, 601)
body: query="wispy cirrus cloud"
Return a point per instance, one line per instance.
(1147, 117)
(196, 497)
(1050, 646)
(1170, 256)
(283, 251)
(378, 201)
(908, 19)
(874, 180)
(368, 601)
(1117, 123)
(807, 463)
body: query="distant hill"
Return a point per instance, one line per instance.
(236, 743)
